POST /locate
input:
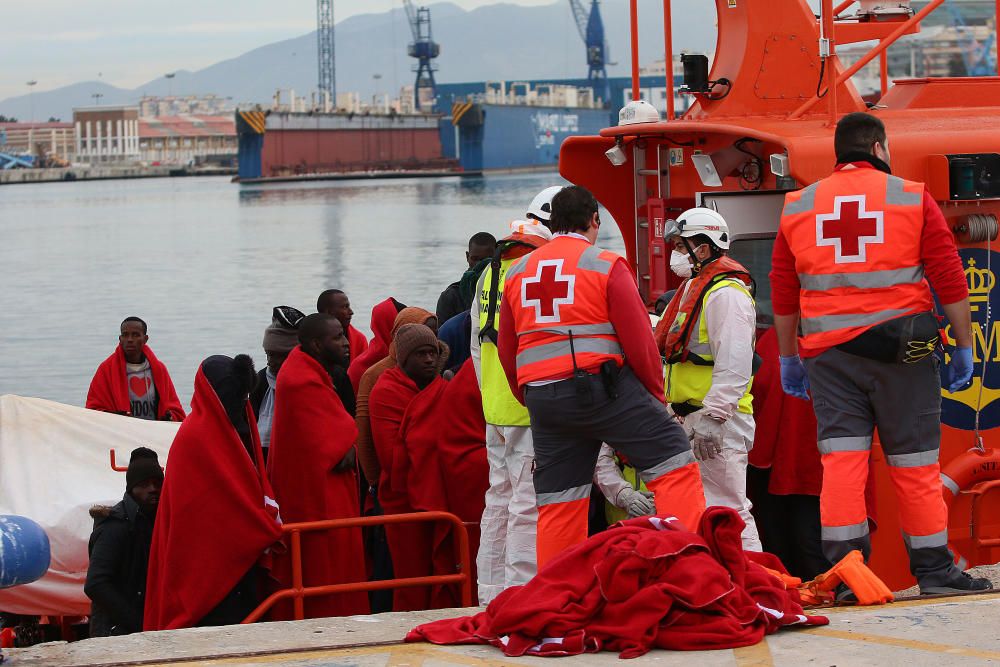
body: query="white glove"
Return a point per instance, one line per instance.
(706, 438)
(637, 503)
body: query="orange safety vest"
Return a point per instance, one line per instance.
(673, 333)
(559, 289)
(856, 237)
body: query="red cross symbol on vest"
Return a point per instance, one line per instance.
(548, 289)
(849, 229)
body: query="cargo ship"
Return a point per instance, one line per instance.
(474, 128)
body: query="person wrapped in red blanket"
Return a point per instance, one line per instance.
(216, 514)
(418, 353)
(132, 381)
(645, 583)
(785, 473)
(444, 435)
(383, 315)
(313, 469)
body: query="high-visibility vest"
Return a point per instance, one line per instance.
(499, 405)
(856, 237)
(558, 290)
(690, 380)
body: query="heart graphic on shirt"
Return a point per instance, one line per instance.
(139, 385)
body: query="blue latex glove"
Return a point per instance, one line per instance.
(793, 377)
(959, 368)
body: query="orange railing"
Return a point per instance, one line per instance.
(298, 592)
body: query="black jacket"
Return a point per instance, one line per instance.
(116, 578)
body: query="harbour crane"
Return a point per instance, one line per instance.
(591, 29)
(424, 49)
(979, 57)
(324, 39)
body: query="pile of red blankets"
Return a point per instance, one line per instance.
(646, 583)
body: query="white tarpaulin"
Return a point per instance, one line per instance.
(54, 465)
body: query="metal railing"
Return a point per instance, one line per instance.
(299, 592)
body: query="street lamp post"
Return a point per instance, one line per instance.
(31, 110)
(376, 78)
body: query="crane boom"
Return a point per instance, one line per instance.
(591, 28)
(325, 50)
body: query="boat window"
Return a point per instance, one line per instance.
(755, 254)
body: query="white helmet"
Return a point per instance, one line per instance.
(541, 205)
(695, 221)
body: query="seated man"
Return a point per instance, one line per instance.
(217, 514)
(119, 549)
(132, 381)
(335, 302)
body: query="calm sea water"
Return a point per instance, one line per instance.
(203, 261)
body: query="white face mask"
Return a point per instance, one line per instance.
(679, 264)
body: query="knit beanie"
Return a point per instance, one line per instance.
(411, 336)
(143, 464)
(281, 336)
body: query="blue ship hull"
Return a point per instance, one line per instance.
(495, 137)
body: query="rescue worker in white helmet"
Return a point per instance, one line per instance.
(507, 543)
(706, 337)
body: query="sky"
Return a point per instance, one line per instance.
(128, 42)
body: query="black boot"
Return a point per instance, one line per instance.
(961, 582)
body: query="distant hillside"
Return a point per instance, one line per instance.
(497, 42)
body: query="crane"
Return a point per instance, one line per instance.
(591, 29)
(324, 39)
(423, 48)
(979, 57)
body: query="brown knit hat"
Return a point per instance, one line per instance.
(411, 336)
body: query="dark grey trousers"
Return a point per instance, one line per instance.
(852, 396)
(569, 421)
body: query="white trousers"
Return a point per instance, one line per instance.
(507, 541)
(725, 476)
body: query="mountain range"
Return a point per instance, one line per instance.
(496, 42)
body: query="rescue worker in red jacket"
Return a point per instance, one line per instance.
(707, 337)
(580, 355)
(850, 267)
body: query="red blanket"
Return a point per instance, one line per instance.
(383, 315)
(785, 437)
(410, 545)
(215, 520)
(643, 584)
(109, 389)
(357, 341)
(312, 433)
(445, 437)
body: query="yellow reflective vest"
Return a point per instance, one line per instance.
(499, 405)
(689, 381)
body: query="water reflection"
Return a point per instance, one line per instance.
(204, 261)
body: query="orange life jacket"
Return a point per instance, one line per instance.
(559, 289)
(856, 237)
(673, 333)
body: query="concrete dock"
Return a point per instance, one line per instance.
(939, 632)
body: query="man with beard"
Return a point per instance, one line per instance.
(312, 467)
(119, 549)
